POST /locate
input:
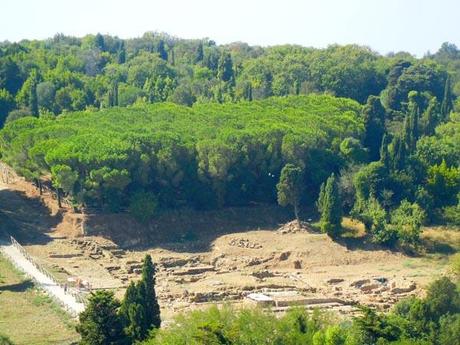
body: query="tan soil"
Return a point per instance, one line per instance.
(234, 252)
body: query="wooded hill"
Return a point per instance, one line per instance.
(392, 141)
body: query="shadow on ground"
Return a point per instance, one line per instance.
(362, 243)
(438, 246)
(27, 219)
(185, 230)
(17, 287)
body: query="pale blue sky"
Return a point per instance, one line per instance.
(415, 26)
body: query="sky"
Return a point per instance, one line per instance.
(415, 26)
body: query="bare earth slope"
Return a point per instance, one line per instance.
(220, 256)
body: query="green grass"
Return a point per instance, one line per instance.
(27, 315)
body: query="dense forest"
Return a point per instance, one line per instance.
(65, 73)
(206, 156)
(158, 122)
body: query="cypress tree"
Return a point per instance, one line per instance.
(110, 98)
(173, 56)
(413, 119)
(248, 91)
(447, 104)
(99, 42)
(33, 99)
(399, 153)
(406, 134)
(148, 294)
(199, 55)
(413, 130)
(384, 155)
(115, 94)
(374, 125)
(331, 208)
(121, 56)
(225, 68)
(161, 50)
(140, 311)
(430, 117)
(320, 201)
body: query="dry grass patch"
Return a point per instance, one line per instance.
(27, 315)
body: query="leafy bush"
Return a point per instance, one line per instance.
(143, 206)
(407, 220)
(4, 340)
(248, 326)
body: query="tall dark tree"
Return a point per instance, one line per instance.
(132, 313)
(384, 154)
(225, 68)
(6, 105)
(161, 50)
(399, 153)
(99, 42)
(112, 95)
(447, 102)
(411, 131)
(100, 323)
(374, 124)
(430, 117)
(33, 99)
(290, 187)
(140, 312)
(121, 53)
(148, 294)
(173, 56)
(199, 54)
(330, 206)
(10, 75)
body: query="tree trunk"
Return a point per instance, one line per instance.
(296, 212)
(58, 193)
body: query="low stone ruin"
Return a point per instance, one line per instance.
(244, 243)
(293, 227)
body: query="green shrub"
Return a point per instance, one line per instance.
(4, 340)
(143, 206)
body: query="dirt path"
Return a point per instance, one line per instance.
(50, 286)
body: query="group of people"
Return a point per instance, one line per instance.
(79, 284)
